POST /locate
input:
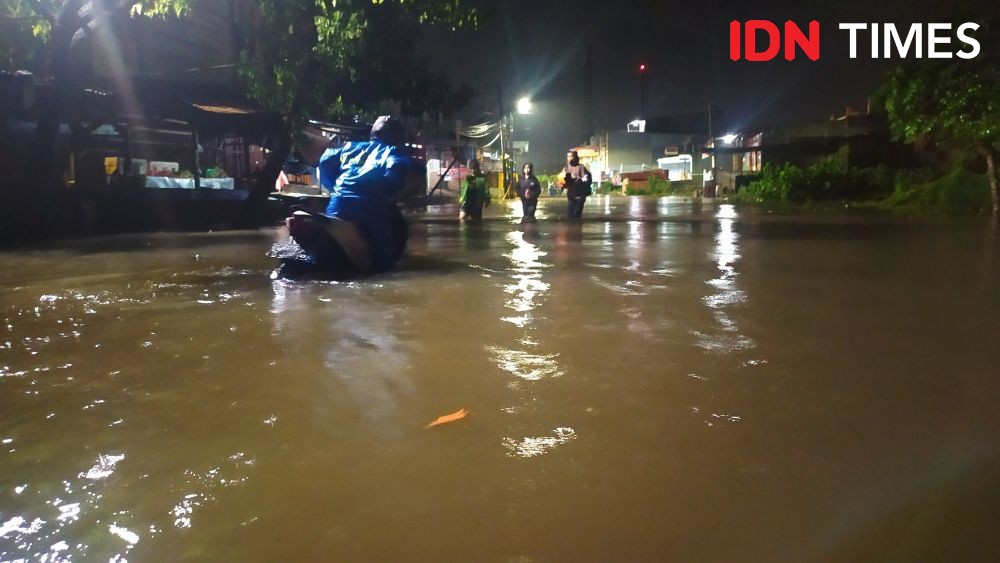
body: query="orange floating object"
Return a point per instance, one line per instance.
(457, 415)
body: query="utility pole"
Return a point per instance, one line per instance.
(643, 92)
(711, 139)
(503, 148)
(588, 89)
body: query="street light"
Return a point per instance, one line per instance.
(728, 138)
(524, 105)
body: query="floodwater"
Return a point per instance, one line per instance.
(665, 380)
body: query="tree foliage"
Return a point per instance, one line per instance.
(955, 103)
(303, 58)
(24, 27)
(336, 58)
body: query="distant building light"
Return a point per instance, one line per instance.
(637, 126)
(728, 138)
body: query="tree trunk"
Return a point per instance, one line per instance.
(991, 171)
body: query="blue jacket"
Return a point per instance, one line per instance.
(363, 178)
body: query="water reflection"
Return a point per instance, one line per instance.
(352, 348)
(533, 446)
(728, 294)
(282, 422)
(526, 292)
(78, 499)
(526, 364)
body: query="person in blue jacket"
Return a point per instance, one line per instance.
(362, 231)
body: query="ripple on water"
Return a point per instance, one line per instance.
(533, 446)
(82, 500)
(525, 365)
(104, 467)
(630, 288)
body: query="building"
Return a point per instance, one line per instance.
(681, 156)
(861, 138)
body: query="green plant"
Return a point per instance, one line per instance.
(951, 104)
(657, 185)
(959, 190)
(829, 179)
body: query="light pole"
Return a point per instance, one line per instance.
(643, 91)
(524, 107)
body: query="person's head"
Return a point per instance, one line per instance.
(474, 166)
(528, 169)
(389, 130)
(572, 158)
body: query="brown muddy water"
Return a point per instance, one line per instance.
(665, 380)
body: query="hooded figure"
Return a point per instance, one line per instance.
(576, 182)
(363, 231)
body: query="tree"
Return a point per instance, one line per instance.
(303, 58)
(954, 103)
(325, 59)
(23, 28)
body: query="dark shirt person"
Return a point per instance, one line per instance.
(528, 188)
(576, 181)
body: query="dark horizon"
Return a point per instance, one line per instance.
(539, 50)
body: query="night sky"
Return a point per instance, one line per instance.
(537, 48)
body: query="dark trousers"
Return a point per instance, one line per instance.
(529, 206)
(473, 207)
(473, 211)
(574, 208)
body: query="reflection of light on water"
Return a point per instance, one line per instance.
(524, 365)
(232, 474)
(525, 258)
(278, 303)
(104, 467)
(520, 322)
(183, 511)
(663, 206)
(527, 289)
(634, 206)
(69, 512)
(515, 211)
(629, 288)
(726, 211)
(129, 536)
(536, 446)
(634, 233)
(16, 524)
(728, 294)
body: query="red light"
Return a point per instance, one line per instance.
(642, 68)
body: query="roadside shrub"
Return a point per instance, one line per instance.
(657, 185)
(826, 180)
(958, 190)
